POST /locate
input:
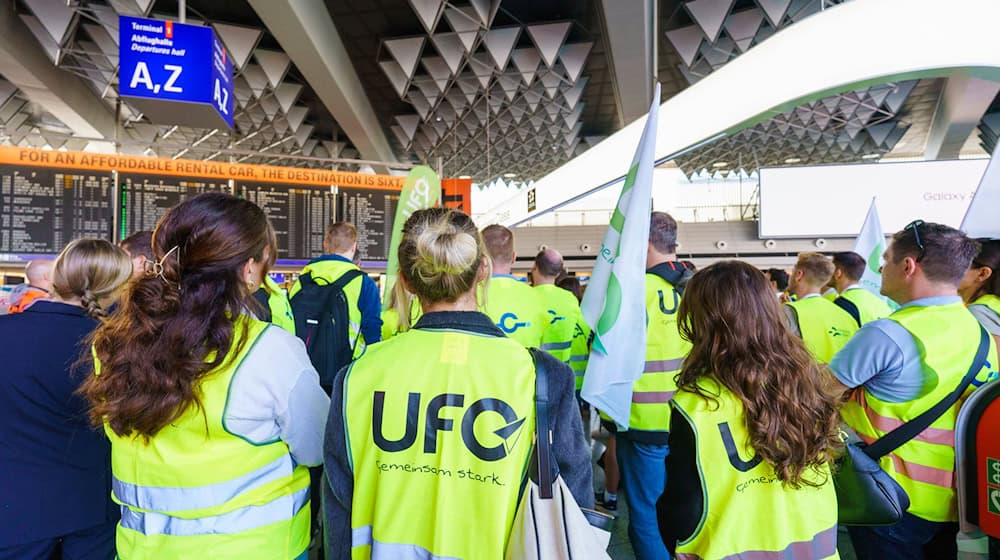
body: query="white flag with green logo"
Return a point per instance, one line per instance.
(870, 244)
(615, 302)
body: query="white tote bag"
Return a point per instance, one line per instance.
(549, 524)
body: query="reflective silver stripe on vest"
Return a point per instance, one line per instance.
(652, 397)
(822, 545)
(362, 536)
(556, 345)
(663, 366)
(198, 497)
(243, 519)
(579, 357)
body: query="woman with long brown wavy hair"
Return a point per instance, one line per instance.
(213, 415)
(754, 430)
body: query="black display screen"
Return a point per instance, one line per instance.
(146, 198)
(43, 208)
(299, 215)
(372, 211)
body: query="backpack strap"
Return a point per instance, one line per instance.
(849, 306)
(543, 439)
(346, 278)
(894, 439)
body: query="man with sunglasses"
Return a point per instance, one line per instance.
(899, 367)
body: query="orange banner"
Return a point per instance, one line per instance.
(196, 168)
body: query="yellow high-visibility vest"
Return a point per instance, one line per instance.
(438, 449)
(925, 465)
(196, 490)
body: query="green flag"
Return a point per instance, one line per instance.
(422, 189)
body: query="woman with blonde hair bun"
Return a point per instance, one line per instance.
(430, 432)
(56, 478)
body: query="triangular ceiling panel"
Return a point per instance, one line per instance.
(526, 60)
(295, 116)
(486, 10)
(438, 69)
(774, 10)
(548, 37)
(573, 94)
(465, 22)
(449, 46)
(275, 65)
(551, 82)
(573, 57)
(408, 123)
(500, 43)
(396, 75)
(255, 79)
(429, 12)
(482, 67)
(287, 94)
(239, 40)
(687, 41)
(709, 15)
(743, 27)
(406, 52)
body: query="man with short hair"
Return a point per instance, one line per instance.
(139, 247)
(862, 305)
(642, 449)
(778, 279)
(564, 316)
(516, 309)
(903, 365)
(340, 244)
(823, 327)
(38, 274)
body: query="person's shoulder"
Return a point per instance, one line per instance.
(559, 373)
(277, 343)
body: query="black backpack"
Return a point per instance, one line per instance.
(322, 320)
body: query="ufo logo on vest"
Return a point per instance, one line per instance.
(509, 323)
(435, 422)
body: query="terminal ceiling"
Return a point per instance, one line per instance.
(485, 87)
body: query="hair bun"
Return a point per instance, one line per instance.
(444, 250)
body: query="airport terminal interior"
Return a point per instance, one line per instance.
(751, 247)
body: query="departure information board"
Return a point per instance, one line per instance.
(146, 198)
(43, 208)
(372, 212)
(298, 214)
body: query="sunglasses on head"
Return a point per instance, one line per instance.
(915, 226)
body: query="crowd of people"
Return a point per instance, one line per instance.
(168, 400)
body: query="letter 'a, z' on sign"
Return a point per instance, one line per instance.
(175, 73)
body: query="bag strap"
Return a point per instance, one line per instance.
(543, 439)
(849, 306)
(894, 439)
(345, 279)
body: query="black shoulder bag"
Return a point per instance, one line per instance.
(866, 494)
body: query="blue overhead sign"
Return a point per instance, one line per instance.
(163, 62)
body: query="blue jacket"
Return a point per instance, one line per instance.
(55, 476)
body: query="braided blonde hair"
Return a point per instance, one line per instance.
(91, 270)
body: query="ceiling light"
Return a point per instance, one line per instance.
(465, 176)
(720, 164)
(871, 156)
(793, 160)
(510, 175)
(438, 119)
